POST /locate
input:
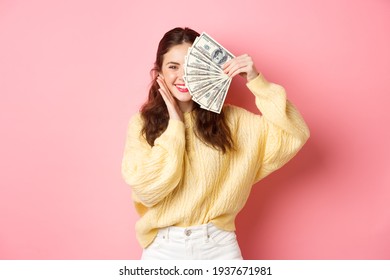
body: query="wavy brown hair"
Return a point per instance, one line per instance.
(210, 127)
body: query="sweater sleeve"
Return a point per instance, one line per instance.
(282, 128)
(153, 172)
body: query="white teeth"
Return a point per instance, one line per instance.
(182, 87)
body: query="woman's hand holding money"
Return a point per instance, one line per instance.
(242, 65)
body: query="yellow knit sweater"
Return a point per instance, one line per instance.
(180, 181)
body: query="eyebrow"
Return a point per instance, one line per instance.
(172, 62)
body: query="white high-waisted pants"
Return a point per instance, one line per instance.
(204, 242)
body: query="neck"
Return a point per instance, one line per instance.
(186, 106)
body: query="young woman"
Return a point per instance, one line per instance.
(191, 170)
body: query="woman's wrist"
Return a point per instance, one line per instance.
(251, 76)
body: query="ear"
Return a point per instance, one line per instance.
(155, 74)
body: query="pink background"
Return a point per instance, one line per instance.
(73, 72)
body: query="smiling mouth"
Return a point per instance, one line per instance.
(181, 88)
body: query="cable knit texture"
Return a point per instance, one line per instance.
(181, 181)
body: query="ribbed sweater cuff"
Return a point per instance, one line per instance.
(257, 83)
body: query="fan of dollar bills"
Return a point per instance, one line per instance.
(203, 74)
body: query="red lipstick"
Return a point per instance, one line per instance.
(181, 88)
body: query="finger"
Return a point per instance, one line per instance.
(162, 84)
(242, 65)
(173, 109)
(164, 96)
(236, 62)
(228, 67)
(163, 88)
(237, 71)
(232, 65)
(227, 64)
(239, 64)
(168, 99)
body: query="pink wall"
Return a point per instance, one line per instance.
(73, 72)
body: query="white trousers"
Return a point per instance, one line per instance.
(204, 242)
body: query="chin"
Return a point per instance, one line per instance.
(185, 101)
(183, 97)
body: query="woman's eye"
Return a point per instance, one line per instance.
(173, 67)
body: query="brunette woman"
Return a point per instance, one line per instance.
(191, 170)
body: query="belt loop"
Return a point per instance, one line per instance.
(167, 234)
(206, 233)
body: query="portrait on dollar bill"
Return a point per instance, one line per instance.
(219, 56)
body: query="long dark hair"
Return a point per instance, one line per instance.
(210, 127)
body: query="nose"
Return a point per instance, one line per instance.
(180, 73)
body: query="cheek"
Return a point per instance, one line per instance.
(166, 75)
(169, 78)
